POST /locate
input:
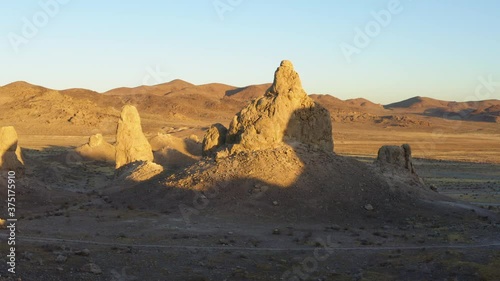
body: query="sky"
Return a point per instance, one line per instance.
(384, 51)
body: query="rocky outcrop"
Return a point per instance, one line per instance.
(10, 152)
(214, 138)
(396, 157)
(285, 114)
(131, 144)
(97, 149)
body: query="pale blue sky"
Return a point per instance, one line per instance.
(428, 48)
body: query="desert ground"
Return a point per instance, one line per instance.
(288, 213)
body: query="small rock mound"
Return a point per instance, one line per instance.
(10, 152)
(290, 182)
(172, 152)
(214, 138)
(398, 157)
(139, 171)
(284, 114)
(131, 144)
(97, 149)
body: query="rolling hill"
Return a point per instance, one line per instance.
(80, 111)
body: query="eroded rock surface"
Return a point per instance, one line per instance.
(10, 152)
(396, 156)
(214, 138)
(284, 114)
(131, 144)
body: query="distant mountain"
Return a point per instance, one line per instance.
(350, 105)
(20, 88)
(417, 103)
(482, 111)
(38, 109)
(160, 89)
(182, 88)
(328, 101)
(248, 93)
(209, 90)
(363, 103)
(424, 103)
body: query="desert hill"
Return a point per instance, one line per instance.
(481, 111)
(357, 104)
(184, 109)
(363, 103)
(417, 103)
(37, 109)
(424, 103)
(249, 92)
(213, 90)
(182, 100)
(160, 89)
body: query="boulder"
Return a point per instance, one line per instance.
(131, 144)
(214, 138)
(97, 149)
(396, 157)
(10, 152)
(285, 114)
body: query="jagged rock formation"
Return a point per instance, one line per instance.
(214, 138)
(395, 156)
(97, 149)
(10, 152)
(131, 144)
(284, 114)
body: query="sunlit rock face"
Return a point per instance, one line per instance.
(131, 144)
(284, 114)
(10, 152)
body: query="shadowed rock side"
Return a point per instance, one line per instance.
(285, 112)
(395, 157)
(296, 181)
(280, 161)
(97, 149)
(10, 152)
(131, 144)
(396, 164)
(174, 153)
(214, 138)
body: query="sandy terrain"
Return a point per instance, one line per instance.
(77, 222)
